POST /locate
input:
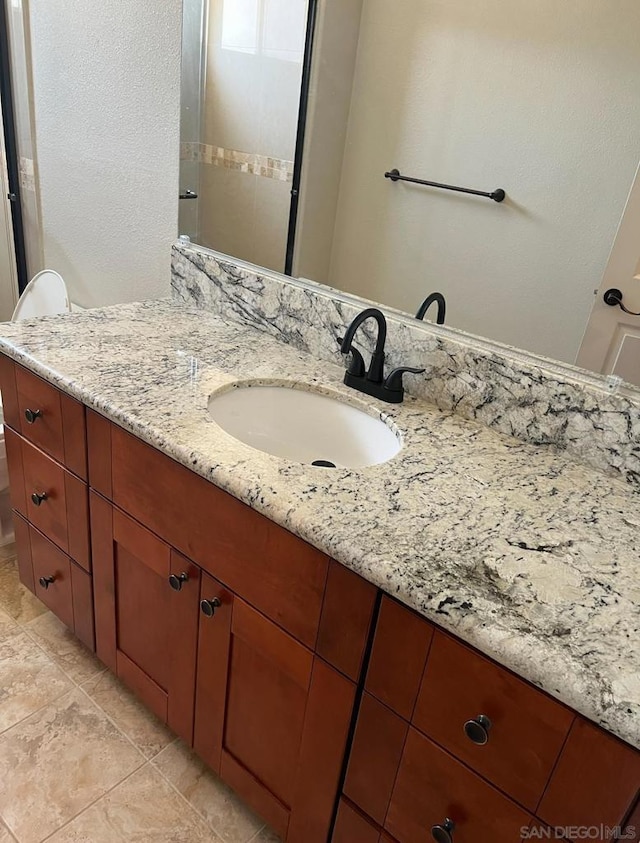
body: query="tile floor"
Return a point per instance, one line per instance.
(81, 759)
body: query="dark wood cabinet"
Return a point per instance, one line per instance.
(254, 647)
(352, 827)
(527, 728)
(378, 743)
(445, 733)
(146, 631)
(271, 717)
(596, 782)
(432, 788)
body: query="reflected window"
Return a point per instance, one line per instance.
(273, 28)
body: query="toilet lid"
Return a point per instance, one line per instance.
(44, 295)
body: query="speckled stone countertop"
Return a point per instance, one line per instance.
(528, 556)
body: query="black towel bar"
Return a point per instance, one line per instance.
(497, 195)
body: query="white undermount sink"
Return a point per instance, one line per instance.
(303, 426)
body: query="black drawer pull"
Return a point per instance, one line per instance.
(443, 833)
(208, 607)
(32, 415)
(45, 582)
(38, 497)
(477, 730)
(176, 581)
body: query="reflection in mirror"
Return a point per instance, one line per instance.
(242, 72)
(540, 99)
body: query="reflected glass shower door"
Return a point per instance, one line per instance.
(241, 91)
(194, 19)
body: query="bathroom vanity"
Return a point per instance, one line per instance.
(339, 705)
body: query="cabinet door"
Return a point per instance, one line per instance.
(146, 605)
(276, 727)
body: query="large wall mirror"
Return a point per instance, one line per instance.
(295, 110)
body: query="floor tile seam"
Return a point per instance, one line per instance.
(76, 682)
(113, 723)
(5, 732)
(184, 798)
(11, 834)
(94, 802)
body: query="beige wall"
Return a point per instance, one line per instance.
(538, 98)
(106, 82)
(251, 106)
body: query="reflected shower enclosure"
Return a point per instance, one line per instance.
(242, 67)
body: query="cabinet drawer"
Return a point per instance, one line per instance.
(61, 585)
(376, 751)
(44, 415)
(352, 827)
(596, 781)
(527, 728)
(50, 497)
(398, 657)
(278, 573)
(433, 788)
(52, 577)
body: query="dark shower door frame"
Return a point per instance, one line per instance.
(11, 149)
(307, 67)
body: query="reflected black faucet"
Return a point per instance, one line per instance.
(426, 304)
(371, 382)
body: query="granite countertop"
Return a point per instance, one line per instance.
(530, 557)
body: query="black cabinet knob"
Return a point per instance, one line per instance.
(45, 582)
(477, 730)
(32, 415)
(176, 581)
(443, 833)
(38, 497)
(208, 607)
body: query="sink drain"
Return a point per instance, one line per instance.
(324, 464)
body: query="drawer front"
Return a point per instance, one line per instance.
(50, 497)
(375, 756)
(526, 732)
(52, 577)
(433, 788)
(398, 657)
(50, 419)
(40, 413)
(278, 573)
(65, 588)
(596, 781)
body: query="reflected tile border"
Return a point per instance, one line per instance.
(266, 166)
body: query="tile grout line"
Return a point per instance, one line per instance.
(91, 804)
(184, 799)
(78, 684)
(3, 732)
(3, 824)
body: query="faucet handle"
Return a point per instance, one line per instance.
(393, 382)
(355, 365)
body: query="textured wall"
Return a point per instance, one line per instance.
(106, 82)
(538, 98)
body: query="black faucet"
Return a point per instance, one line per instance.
(373, 382)
(426, 304)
